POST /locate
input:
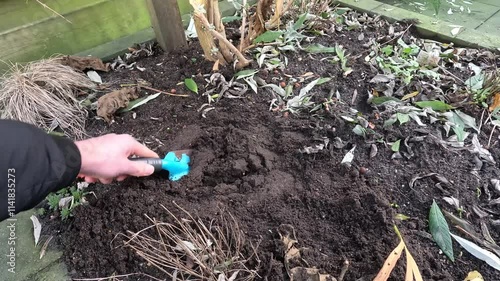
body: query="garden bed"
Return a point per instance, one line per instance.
(249, 161)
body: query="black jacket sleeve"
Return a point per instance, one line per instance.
(32, 164)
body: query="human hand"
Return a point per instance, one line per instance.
(106, 158)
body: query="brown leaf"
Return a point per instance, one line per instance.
(410, 95)
(496, 102)
(108, 104)
(390, 263)
(412, 269)
(84, 63)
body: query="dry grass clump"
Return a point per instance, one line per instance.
(43, 93)
(189, 249)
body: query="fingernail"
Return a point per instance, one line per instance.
(148, 170)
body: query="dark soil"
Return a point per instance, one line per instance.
(247, 162)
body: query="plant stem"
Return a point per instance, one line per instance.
(242, 60)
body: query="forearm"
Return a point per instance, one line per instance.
(32, 165)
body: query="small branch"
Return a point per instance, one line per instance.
(243, 23)
(117, 276)
(163, 92)
(345, 267)
(242, 60)
(52, 10)
(153, 89)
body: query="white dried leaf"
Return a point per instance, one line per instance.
(478, 252)
(455, 31)
(37, 228)
(82, 185)
(64, 202)
(347, 160)
(186, 244)
(452, 201)
(496, 185)
(94, 76)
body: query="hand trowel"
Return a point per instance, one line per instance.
(175, 162)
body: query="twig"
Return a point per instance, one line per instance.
(481, 122)
(116, 276)
(163, 92)
(345, 267)
(52, 10)
(243, 23)
(242, 60)
(153, 89)
(452, 75)
(491, 135)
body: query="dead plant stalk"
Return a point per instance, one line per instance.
(190, 249)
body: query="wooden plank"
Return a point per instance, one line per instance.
(15, 13)
(92, 26)
(167, 24)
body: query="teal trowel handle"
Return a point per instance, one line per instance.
(155, 162)
(176, 165)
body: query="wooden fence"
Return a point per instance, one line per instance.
(29, 31)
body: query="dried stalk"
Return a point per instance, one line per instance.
(189, 249)
(44, 94)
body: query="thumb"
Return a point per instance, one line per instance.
(139, 169)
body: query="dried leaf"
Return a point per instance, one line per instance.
(382, 78)
(349, 157)
(496, 102)
(478, 252)
(138, 102)
(440, 230)
(373, 150)
(44, 247)
(108, 104)
(191, 85)
(452, 201)
(84, 63)
(37, 228)
(474, 276)
(390, 263)
(410, 95)
(412, 270)
(94, 76)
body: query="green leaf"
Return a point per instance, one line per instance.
(436, 4)
(403, 118)
(359, 130)
(300, 22)
(395, 146)
(191, 85)
(323, 80)
(436, 105)
(387, 50)
(402, 217)
(475, 82)
(440, 230)
(230, 19)
(319, 49)
(268, 36)
(381, 100)
(245, 73)
(138, 102)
